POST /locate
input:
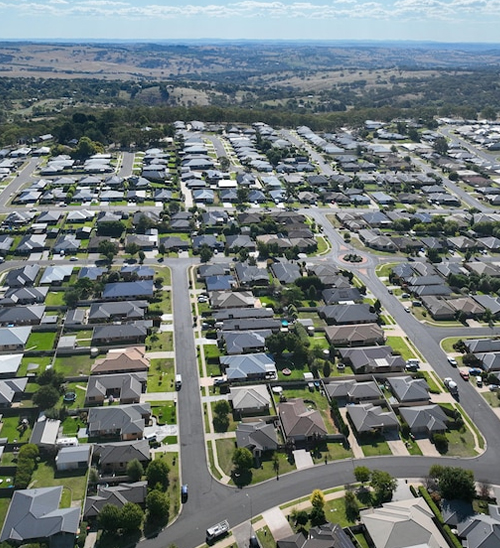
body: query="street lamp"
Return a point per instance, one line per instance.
(251, 515)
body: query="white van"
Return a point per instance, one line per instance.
(178, 382)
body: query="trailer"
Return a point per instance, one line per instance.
(218, 530)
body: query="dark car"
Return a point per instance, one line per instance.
(184, 493)
(254, 542)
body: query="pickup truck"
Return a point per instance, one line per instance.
(451, 385)
(218, 530)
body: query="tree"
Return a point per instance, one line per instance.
(46, 397)
(383, 485)
(135, 470)
(362, 473)
(71, 298)
(242, 459)
(222, 407)
(224, 163)
(142, 256)
(291, 295)
(51, 377)
(317, 516)
(108, 249)
(109, 518)
(440, 442)
(157, 474)
(317, 499)
(441, 146)
(456, 483)
(86, 148)
(205, 253)
(351, 506)
(131, 517)
(157, 506)
(132, 248)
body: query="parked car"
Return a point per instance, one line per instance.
(464, 374)
(452, 361)
(493, 387)
(474, 371)
(184, 493)
(479, 381)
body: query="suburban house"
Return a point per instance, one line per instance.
(124, 421)
(119, 310)
(242, 342)
(34, 514)
(347, 314)
(126, 387)
(22, 315)
(481, 530)
(9, 364)
(250, 400)
(232, 299)
(328, 535)
(21, 277)
(122, 360)
(139, 289)
(355, 392)
(403, 523)
(73, 458)
(409, 391)
(300, 423)
(45, 432)
(429, 419)
(24, 296)
(367, 417)
(134, 332)
(117, 495)
(374, 359)
(113, 458)
(11, 389)
(249, 367)
(355, 335)
(257, 436)
(334, 295)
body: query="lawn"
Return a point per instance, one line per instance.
(160, 341)
(72, 366)
(71, 425)
(165, 412)
(384, 270)
(42, 362)
(461, 443)
(161, 375)
(41, 340)
(55, 298)
(174, 488)
(374, 445)
(79, 388)
(331, 451)
(225, 449)
(323, 246)
(9, 430)
(74, 483)
(232, 423)
(164, 272)
(492, 398)
(400, 345)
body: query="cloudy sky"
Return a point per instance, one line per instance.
(437, 20)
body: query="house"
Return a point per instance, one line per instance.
(113, 458)
(355, 335)
(116, 495)
(224, 315)
(328, 535)
(137, 272)
(456, 511)
(119, 310)
(243, 342)
(73, 458)
(335, 295)
(265, 323)
(257, 436)
(475, 346)
(124, 421)
(300, 423)
(56, 275)
(248, 275)
(24, 296)
(45, 432)
(14, 338)
(354, 392)
(347, 314)
(375, 359)
(232, 299)
(250, 400)
(286, 273)
(34, 514)
(402, 524)
(22, 315)
(126, 387)
(480, 530)
(9, 364)
(122, 360)
(429, 419)
(134, 333)
(139, 289)
(67, 243)
(467, 306)
(220, 283)
(409, 391)
(174, 243)
(91, 272)
(490, 361)
(207, 270)
(438, 308)
(208, 240)
(248, 366)
(21, 277)
(11, 389)
(31, 243)
(367, 417)
(376, 241)
(5, 244)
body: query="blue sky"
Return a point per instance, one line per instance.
(436, 20)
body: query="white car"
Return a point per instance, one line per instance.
(452, 361)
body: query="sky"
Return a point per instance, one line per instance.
(417, 20)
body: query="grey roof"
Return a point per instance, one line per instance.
(341, 295)
(35, 513)
(348, 313)
(121, 419)
(129, 385)
(31, 314)
(122, 452)
(54, 274)
(91, 272)
(248, 365)
(131, 310)
(241, 313)
(20, 277)
(286, 273)
(73, 454)
(117, 495)
(482, 345)
(240, 342)
(256, 435)
(407, 389)
(376, 358)
(124, 331)
(367, 417)
(24, 295)
(9, 363)
(353, 390)
(9, 388)
(124, 290)
(430, 418)
(481, 531)
(456, 511)
(45, 432)
(14, 336)
(249, 397)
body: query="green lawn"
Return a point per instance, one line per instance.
(331, 451)
(161, 375)
(174, 488)
(492, 398)
(384, 270)
(4, 506)
(165, 412)
(72, 366)
(374, 446)
(9, 430)
(164, 272)
(79, 388)
(55, 298)
(399, 344)
(42, 362)
(41, 340)
(74, 484)
(71, 425)
(160, 341)
(461, 443)
(232, 423)
(323, 246)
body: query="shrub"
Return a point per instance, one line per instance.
(441, 442)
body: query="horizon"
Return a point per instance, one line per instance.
(446, 21)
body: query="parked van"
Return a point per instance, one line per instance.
(479, 381)
(178, 382)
